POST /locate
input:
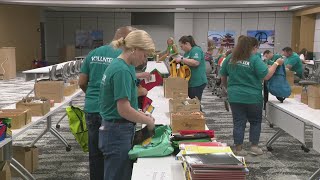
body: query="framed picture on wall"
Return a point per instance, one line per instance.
(221, 38)
(89, 39)
(265, 38)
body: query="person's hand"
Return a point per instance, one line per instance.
(280, 61)
(150, 123)
(178, 60)
(146, 75)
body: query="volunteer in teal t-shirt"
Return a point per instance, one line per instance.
(119, 106)
(270, 58)
(172, 49)
(242, 73)
(293, 61)
(194, 58)
(90, 77)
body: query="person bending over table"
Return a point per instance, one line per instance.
(194, 58)
(119, 104)
(270, 58)
(242, 73)
(90, 77)
(303, 55)
(292, 61)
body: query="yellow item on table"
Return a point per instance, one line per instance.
(179, 70)
(192, 149)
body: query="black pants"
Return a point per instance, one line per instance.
(196, 91)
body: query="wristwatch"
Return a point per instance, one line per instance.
(181, 59)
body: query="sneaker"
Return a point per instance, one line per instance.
(256, 151)
(241, 153)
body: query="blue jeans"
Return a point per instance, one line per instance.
(196, 91)
(241, 113)
(95, 155)
(115, 141)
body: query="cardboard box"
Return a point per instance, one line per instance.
(175, 85)
(69, 89)
(5, 173)
(36, 108)
(314, 102)
(24, 156)
(35, 158)
(296, 89)
(187, 121)
(180, 95)
(313, 91)
(74, 81)
(51, 90)
(19, 117)
(28, 157)
(184, 105)
(304, 97)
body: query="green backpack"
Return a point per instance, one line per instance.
(78, 126)
(160, 145)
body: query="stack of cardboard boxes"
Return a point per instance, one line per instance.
(185, 113)
(313, 93)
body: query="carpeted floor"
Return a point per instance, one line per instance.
(286, 161)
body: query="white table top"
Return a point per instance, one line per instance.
(161, 67)
(45, 70)
(5, 141)
(36, 119)
(162, 168)
(298, 110)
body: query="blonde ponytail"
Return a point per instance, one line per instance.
(118, 43)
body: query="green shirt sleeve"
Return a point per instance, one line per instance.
(122, 82)
(223, 70)
(260, 68)
(196, 54)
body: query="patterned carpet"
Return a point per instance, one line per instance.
(287, 161)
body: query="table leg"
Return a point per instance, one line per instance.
(315, 175)
(58, 123)
(54, 132)
(274, 138)
(25, 174)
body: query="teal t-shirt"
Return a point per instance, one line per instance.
(94, 66)
(198, 74)
(295, 62)
(118, 82)
(245, 79)
(273, 59)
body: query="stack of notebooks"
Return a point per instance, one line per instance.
(214, 166)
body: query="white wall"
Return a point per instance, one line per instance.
(316, 47)
(198, 25)
(60, 28)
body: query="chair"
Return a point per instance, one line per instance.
(52, 73)
(65, 71)
(72, 69)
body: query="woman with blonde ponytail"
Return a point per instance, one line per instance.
(119, 104)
